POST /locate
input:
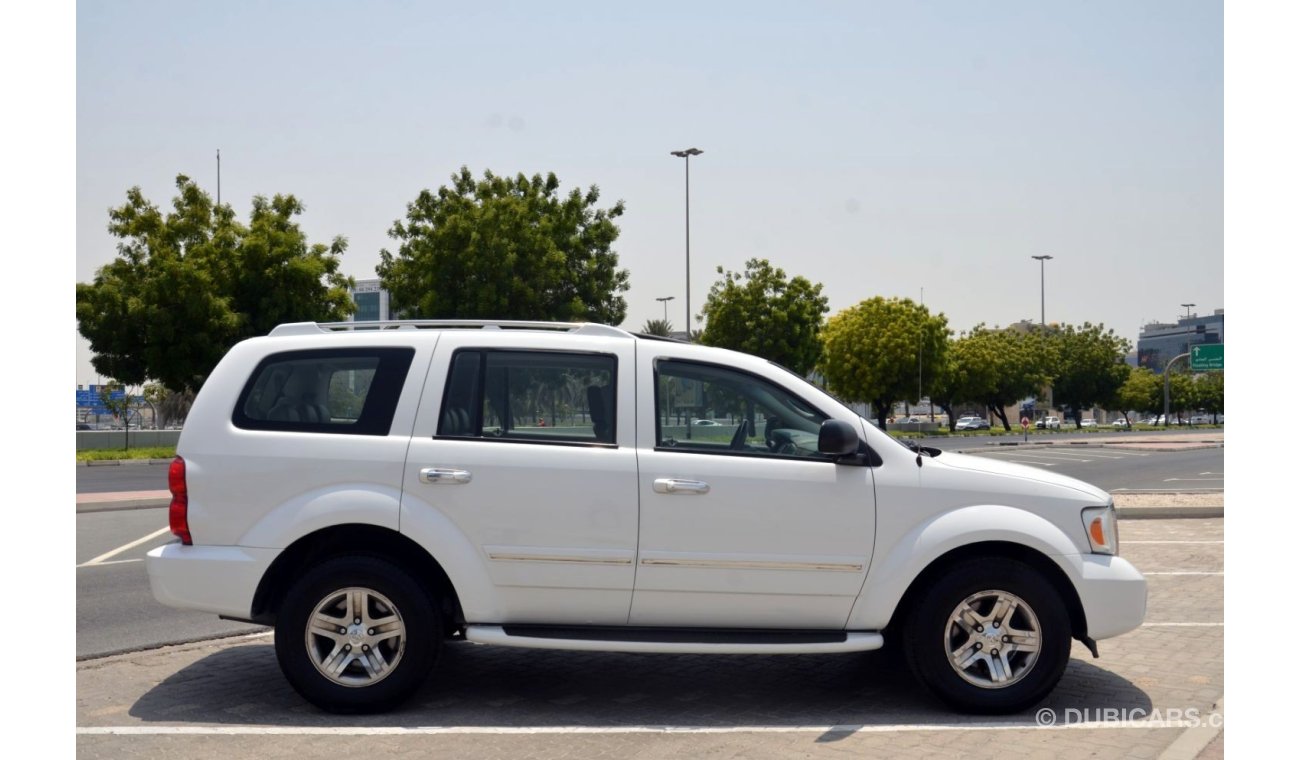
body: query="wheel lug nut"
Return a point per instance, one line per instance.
(343, 630)
(365, 648)
(371, 632)
(978, 646)
(357, 621)
(994, 653)
(979, 628)
(347, 647)
(1006, 639)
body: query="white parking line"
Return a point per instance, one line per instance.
(112, 562)
(1018, 725)
(1031, 461)
(1171, 480)
(1166, 490)
(106, 555)
(1182, 625)
(1186, 572)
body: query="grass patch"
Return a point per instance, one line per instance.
(147, 452)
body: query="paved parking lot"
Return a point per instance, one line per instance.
(1151, 688)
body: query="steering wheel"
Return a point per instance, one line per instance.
(738, 438)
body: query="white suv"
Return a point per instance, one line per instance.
(374, 489)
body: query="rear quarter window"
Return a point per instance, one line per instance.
(346, 391)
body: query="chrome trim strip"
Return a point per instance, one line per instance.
(511, 557)
(730, 564)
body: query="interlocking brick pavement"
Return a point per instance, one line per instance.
(236, 683)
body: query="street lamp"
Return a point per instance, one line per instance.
(1042, 279)
(665, 301)
(1188, 306)
(686, 154)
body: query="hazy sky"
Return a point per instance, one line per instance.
(878, 148)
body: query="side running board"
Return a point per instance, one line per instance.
(674, 640)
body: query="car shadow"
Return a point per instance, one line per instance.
(477, 686)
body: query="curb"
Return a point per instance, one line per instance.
(1168, 513)
(120, 462)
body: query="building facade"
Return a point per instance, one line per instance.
(1161, 341)
(371, 301)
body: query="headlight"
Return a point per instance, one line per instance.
(1103, 532)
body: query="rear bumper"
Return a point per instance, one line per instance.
(1113, 593)
(216, 579)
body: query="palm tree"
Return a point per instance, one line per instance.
(660, 327)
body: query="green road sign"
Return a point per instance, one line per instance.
(1207, 357)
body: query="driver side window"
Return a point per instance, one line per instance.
(710, 409)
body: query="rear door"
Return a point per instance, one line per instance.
(525, 442)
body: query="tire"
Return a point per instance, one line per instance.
(365, 667)
(964, 617)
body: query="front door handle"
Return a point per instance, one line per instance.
(444, 476)
(679, 486)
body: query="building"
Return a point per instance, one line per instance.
(1161, 341)
(371, 301)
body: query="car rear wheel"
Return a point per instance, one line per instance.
(991, 636)
(356, 634)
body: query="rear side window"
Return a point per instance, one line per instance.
(351, 391)
(530, 396)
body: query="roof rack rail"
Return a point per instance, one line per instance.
(580, 328)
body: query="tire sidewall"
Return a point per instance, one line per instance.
(419, 616)
(928, 622)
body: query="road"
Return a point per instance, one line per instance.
(116, 610)
(1151, 687)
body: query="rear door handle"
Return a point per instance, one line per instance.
(679, 486)
(444, 476)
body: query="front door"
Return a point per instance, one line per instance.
(743, 522)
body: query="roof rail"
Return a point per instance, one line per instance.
(579, 328)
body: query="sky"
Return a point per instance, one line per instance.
(878, 148)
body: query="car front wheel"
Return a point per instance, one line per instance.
(991, 636)
(356, 634)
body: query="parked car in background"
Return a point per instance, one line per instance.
(705, 423)
(1049, 423)
(971, 422)
(1121, 423)
(1202, 419)
(1089, 422)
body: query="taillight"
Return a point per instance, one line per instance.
(178, 512)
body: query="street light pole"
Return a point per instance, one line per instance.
(686, 154)
(665, 301)
(1042, 281)
(1188, 306)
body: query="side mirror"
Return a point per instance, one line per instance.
(837, 438)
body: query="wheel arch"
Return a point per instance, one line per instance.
(353, 539)
(1040, 562)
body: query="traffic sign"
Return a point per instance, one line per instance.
(1206, 357)
(1024, 422)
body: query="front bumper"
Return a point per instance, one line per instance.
(1113, 593)
(216, 579)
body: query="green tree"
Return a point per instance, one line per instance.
(1001, 367)
(870, 351)
(189, 284)
(1182, 394)
(948, 385)
(502, 248)
(1209, 393)
(1090, 367)
(761, 312)
(1142, 391)
(660, 327)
